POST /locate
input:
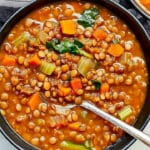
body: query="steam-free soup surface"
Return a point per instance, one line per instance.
(63, 53)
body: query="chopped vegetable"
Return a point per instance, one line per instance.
(104, 88)
(75, 125)
(88, 17)
(21, 39)
(34, 61)
(99, 34)
(115, 50)
(96, 84)
(9, 61)
(47, 68)
(87, 143)
(67, 145)
(125, 112)
(84, 114)
(78, 43)
(43, 37)
(34, 101)
(68, 27)
(76, 84)
(64, 91)
(85, 65)
(34, 41)
(116, 41)
(126, 58)
(67, 46)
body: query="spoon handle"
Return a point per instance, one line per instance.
(127, 128)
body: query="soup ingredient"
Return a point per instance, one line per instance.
(96, 84)
(104, 88)
(85, 65)
(47, 68)
(34, 61)
(88, 17)
(99, 34)
(21, 39)
(68, 27)
(75, 125)
(34, 101)
(67, 46)
(115, 50)
(84, 114)
(64, 91)
(43, 37)
(76, 84)
(9, 61)
(125, 112)
(73, 146)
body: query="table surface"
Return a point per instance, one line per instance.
(5, 145)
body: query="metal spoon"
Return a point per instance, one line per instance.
(124, 126)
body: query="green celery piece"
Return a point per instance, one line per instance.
(21, 39)
(84, 114)
(85, 65)
(67, 145)
(125, 112)
(43, 36)
(47, 68)
(84, 53)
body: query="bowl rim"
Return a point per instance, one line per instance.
(141, 9)
(5, 128)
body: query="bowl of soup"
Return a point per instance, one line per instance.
(57, 53)
(143, 6)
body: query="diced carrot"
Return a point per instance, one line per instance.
(9, 61)
(104, 88)
(64, 91)
(115, 50)
(68, 26)
(75, 125)
(76, 6)
(76, 84)
(99, 34)
(34, 61)
(34, 101)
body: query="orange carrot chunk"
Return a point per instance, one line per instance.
(104, 88)
(9, 61)
(34, 61)
(115, 50)
(34, 101)
(76, 84)
(99, 34)
(68, 27)
(75, 125)
(64, 91)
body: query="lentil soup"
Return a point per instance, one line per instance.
(64, 53)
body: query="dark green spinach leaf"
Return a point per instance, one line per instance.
(67, 46)
(96, 84)
(88, 17)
